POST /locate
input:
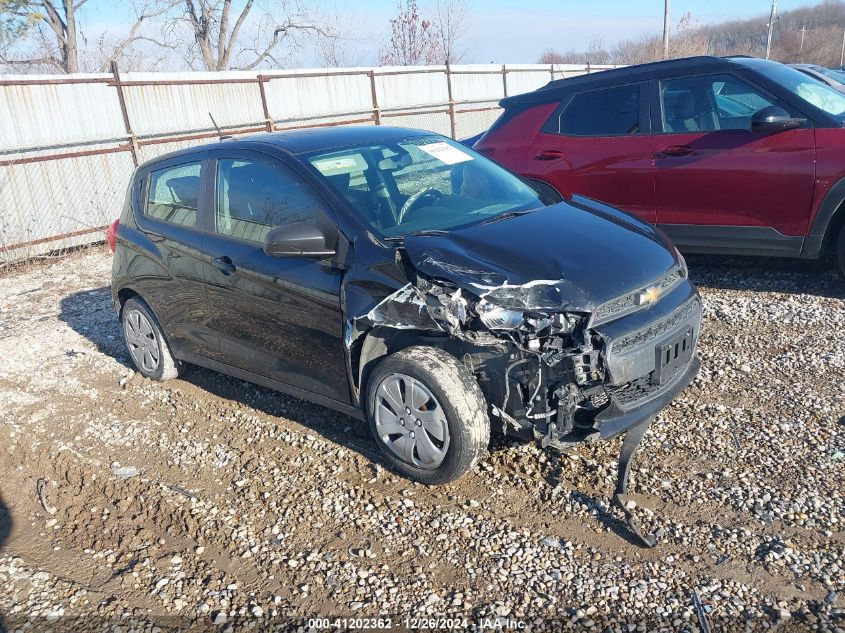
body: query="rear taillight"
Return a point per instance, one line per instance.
(111, 235)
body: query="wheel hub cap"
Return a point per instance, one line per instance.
(410, 422)
(141, 341)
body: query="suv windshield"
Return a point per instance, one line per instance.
(838, 75)
(422, 184)
(811, 90)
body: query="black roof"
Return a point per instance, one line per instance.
(326, 138)
(554, 89)
(304, 140)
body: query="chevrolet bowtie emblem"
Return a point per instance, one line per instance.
(649, 295)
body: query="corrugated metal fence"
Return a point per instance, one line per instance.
(68, 144)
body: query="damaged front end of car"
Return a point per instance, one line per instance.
(554, 366)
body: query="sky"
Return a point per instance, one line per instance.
(504, 31)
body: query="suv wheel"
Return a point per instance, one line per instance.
(427, 414)
(840, 250)
(145, 342)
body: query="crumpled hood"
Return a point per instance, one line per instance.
(574, 255)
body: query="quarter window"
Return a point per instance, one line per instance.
(254, 197)
(608, 112)
(709, 104)
(173, 194)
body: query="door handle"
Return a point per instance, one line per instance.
(549, 154)
(676, 150)
(223, 264)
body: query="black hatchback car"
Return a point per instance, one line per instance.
(403, 279)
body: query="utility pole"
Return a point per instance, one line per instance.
(842, 54)
(665, 29)
(771, 28)
(803, 31)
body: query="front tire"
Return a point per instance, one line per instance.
(145, 342)
(427, 414)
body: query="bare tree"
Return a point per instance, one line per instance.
(347, 47)
(218, 33)
(687, 41)
(551, 56)
(412, 39)
(13, 22)
(596, 54)
(450, 24)
(52, 29)
(111, 49)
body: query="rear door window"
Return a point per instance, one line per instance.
(607, 112)
(174, 194)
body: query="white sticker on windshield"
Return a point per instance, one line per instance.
(445, 153)
(341, 165)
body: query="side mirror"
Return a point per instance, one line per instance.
(298, 239)
(775, 119)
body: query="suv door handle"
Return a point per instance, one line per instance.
(223, 264)
(549, 154)
(676, 150)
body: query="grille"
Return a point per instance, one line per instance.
(657, 329)
(635, 391)
(630, 302)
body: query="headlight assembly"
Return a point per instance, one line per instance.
(683, 261)
(498, 318)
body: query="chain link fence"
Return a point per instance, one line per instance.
(69, 144)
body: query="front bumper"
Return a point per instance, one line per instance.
(643, 374)
(614, 420)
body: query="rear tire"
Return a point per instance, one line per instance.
(145, 342)
(427, 415)
(840, 250)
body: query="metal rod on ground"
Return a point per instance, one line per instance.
(666, 29)
(771, 28)
(703, 623)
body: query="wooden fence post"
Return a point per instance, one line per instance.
(133, 142)
(505, 79)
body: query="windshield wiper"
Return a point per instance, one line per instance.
(398, 239)
(428, 233)
(506, 216)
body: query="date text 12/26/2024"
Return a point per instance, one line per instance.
(414, 624)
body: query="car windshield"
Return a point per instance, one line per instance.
(810, 90)
(838, 75)
(422, 184)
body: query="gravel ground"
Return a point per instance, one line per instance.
(210, 500)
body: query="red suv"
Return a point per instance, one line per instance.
(726, 155)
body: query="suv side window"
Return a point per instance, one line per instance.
(255, 196)
(173, 194)
(607, 112)
(709, 103)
